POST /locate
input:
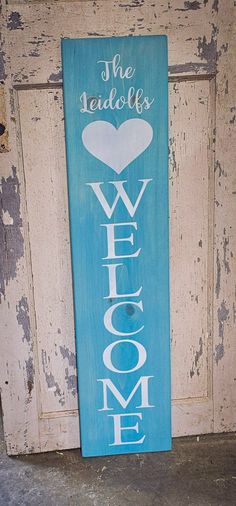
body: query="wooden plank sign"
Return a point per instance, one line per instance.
(115, 99)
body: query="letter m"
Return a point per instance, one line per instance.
(142, 383)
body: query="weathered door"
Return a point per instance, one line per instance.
(38, 371)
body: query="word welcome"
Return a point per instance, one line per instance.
(134, 300)
(135, 99)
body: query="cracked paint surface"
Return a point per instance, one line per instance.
(51, 382)
(71, 380)
(2, 66)
(223, 314)
(30, 373)
(15, 21)
(218, 275)
(198, 354)
(56, 77)
(226, 253)
(190, 6)
(23, 318)
(207, 50)
(69, 355)
(11, 239)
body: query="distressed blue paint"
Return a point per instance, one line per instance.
(150, 269)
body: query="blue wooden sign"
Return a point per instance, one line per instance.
(115, 99)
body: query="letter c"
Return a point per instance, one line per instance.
(108, 318)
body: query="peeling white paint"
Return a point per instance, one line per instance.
(40, 399)
(6, 218)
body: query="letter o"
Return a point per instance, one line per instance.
(107, 356)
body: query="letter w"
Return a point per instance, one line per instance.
(121, 193)
(143, 382)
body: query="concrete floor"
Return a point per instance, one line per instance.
(195, 473)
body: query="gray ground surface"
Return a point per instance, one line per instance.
(195, 474)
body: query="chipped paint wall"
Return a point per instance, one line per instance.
(224, 353)
(11, 238)
(3, 126)
(38, 364)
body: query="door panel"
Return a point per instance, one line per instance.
(38, 374)
(191, 246)
(47, 209)
(190, 235)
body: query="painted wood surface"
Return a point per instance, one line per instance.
(117, 159)
(46, 195)
(201, 40)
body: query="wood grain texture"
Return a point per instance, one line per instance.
(125, 140)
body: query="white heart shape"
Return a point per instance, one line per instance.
(117, 148)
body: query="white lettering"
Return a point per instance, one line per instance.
(134, 100)
(118, 429)
(116, 69)
(109, 313)
(113, 283)
(142, 356)
(111, 240)
(142, 382)
(121, 193)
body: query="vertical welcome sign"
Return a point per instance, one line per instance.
(115, 97)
